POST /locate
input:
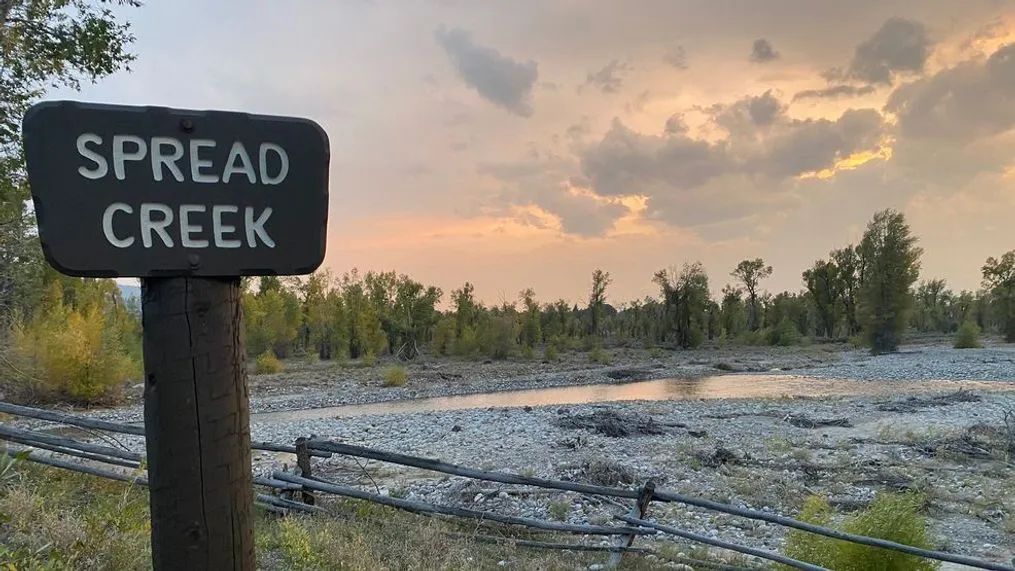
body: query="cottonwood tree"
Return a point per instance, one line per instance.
(823, 282)
(750, 273)
(892, 266)
(999, 280)
(686, 299)
(597, 299)
(851, 271)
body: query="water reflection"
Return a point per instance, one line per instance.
(723, 386)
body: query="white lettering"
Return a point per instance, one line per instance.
(159, 226)
(186, 228)
(196, 163)
(255, 228)
(239, 152)
(107, 225)
(220, 229)
(159, 159)
(121, 156)
(263, 162)
(101, 166)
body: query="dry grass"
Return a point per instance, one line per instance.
(56, 520)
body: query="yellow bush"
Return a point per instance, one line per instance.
(395, 376)
(895, 517)
(73, 354)
(267, 364)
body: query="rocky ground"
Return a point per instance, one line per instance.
(905, 430)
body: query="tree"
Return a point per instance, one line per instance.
(686, 298)
(823, 283)
(750, 273)
(531, 332)
(597, 299)
(852, 271)
(46, 44)
(999, 280)
(892, 261)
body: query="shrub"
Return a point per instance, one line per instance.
(784, 334)
(395, 376)
(560, 509)
(968, 336)
(656, 352)
(267, 364)
(369, 359)
(527, 352)
(895, 517)
(550, 353)
(598, 355)
(79, 355)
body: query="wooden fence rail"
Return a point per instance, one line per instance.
(305, 448)
(657, 495)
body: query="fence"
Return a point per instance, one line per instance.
(286, 485)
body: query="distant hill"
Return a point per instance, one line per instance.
(129, 291)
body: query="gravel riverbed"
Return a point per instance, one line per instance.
(914, 424)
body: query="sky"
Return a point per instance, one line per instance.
(526, 143)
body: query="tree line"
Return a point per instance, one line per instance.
(77, 337)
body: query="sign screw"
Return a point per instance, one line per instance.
(187, 126)
(195, 261)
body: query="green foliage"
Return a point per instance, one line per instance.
(550, 353)
(656, 352)
(968, 336)
(444, 337)
(47, 44)
(395, 376)
(498, 336)
(685, 302)
(894, 517)
(999, 280)
(80, 345)
(601, 356)
(750, 273)
(784, 334)
(267, 364)
(892, 265)
(559, 510)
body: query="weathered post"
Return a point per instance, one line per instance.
(188, 201)
(197, 422)
(303, 463)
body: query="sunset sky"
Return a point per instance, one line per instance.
(525, 143)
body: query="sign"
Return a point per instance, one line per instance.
(159, 192)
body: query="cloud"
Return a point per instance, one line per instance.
(499, 79)
(754, 167)
(745, 116)
(763, 52)
(898, 46)
(541, 180)
(675, 125)
(834, 92)
(972, 100)
(676, 57)
(609, 79)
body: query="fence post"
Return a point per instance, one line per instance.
(197, 424)
(303, 462)
(640, 507)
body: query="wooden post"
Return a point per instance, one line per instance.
(640, 508)
(197, 425)
(303, 462)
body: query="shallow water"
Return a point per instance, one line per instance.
(715, 387)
